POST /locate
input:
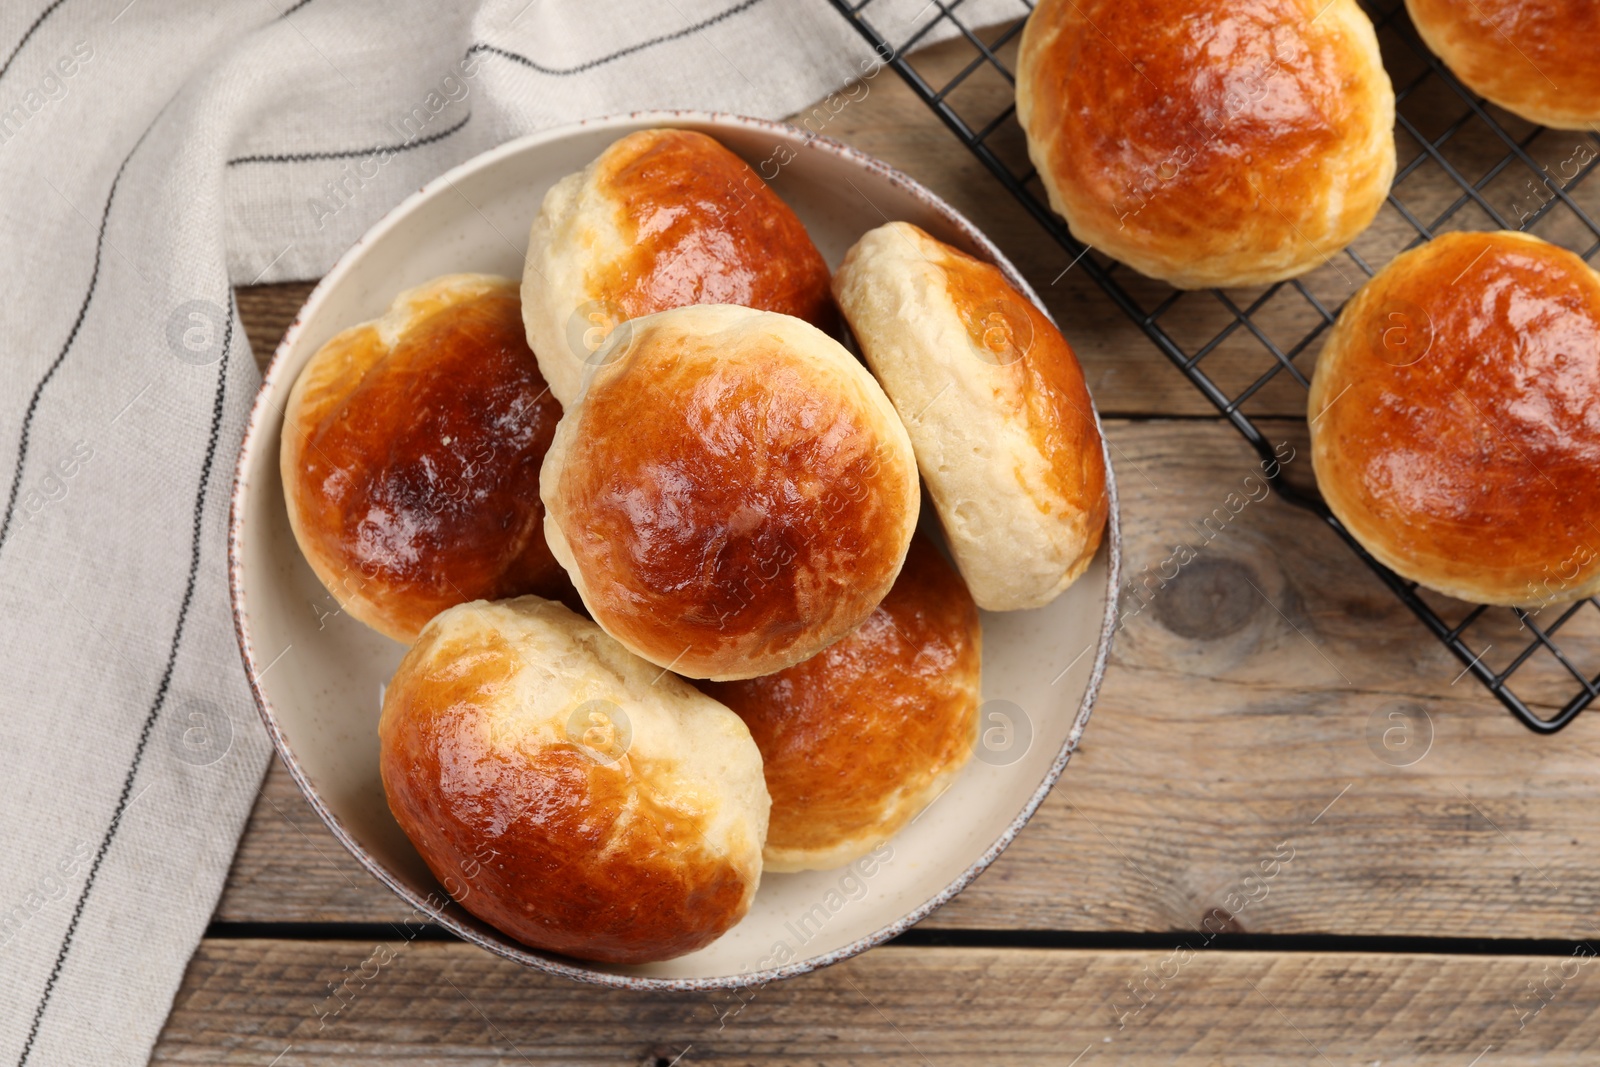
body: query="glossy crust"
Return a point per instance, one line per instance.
(1532, 57)
(732, 493)
(997, 410)
(859, 738)
(1209, 142)
(410, 457)
(1455, 422)
(565, 791)
(662, 219)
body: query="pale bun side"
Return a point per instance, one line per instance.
(1022, 522)
(566, 322)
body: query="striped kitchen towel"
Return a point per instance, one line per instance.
(154, 154)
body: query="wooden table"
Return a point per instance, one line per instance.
(1429, 913)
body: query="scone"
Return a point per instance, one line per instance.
(565, 791)
(732, 493)
(662, 219)
(996, 407)
(857, 740)
(410, 457)
(1209, 142)
(1455, 419)
(1532, 57)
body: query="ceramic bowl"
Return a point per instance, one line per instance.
(318, 675)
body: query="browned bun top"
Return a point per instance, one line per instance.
(1209, 142)
(413, 461)
(859, 738)
(1535, 57)
(735, 492)
(561, 795)
(1456, 418)
(704, 229)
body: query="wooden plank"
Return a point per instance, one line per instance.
(292, 1003)
(1251, 693)
(267, 311)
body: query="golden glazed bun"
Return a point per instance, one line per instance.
(567, 792)
(732, 493)
(410, 457)
(996, 407)
(1532, 57)
(662, 219)
(1209, 142)
(857, 740)
(1455, 419)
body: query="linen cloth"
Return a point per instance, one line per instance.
(153, 154)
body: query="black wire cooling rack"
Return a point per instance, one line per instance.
(1243, 349)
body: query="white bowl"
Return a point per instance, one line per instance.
(318, 675)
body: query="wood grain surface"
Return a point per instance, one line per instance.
(1269, 706)
(290, 1004)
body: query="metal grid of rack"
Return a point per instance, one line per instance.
(1249, 351)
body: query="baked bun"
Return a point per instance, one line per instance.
(732, 493)
(567, 792)
(996, 407)
(1209, 142)
(859, 738)
(662, 219)
(1532, 57)
(1455, 419)
(410, 457)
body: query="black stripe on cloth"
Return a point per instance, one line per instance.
(630, 50)
(55, 364)
(217, 406)
(294, 8)
(306, 157)
(42, 16)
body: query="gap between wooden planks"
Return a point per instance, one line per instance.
(247, 1002)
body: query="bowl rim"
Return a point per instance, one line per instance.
(261, 410)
